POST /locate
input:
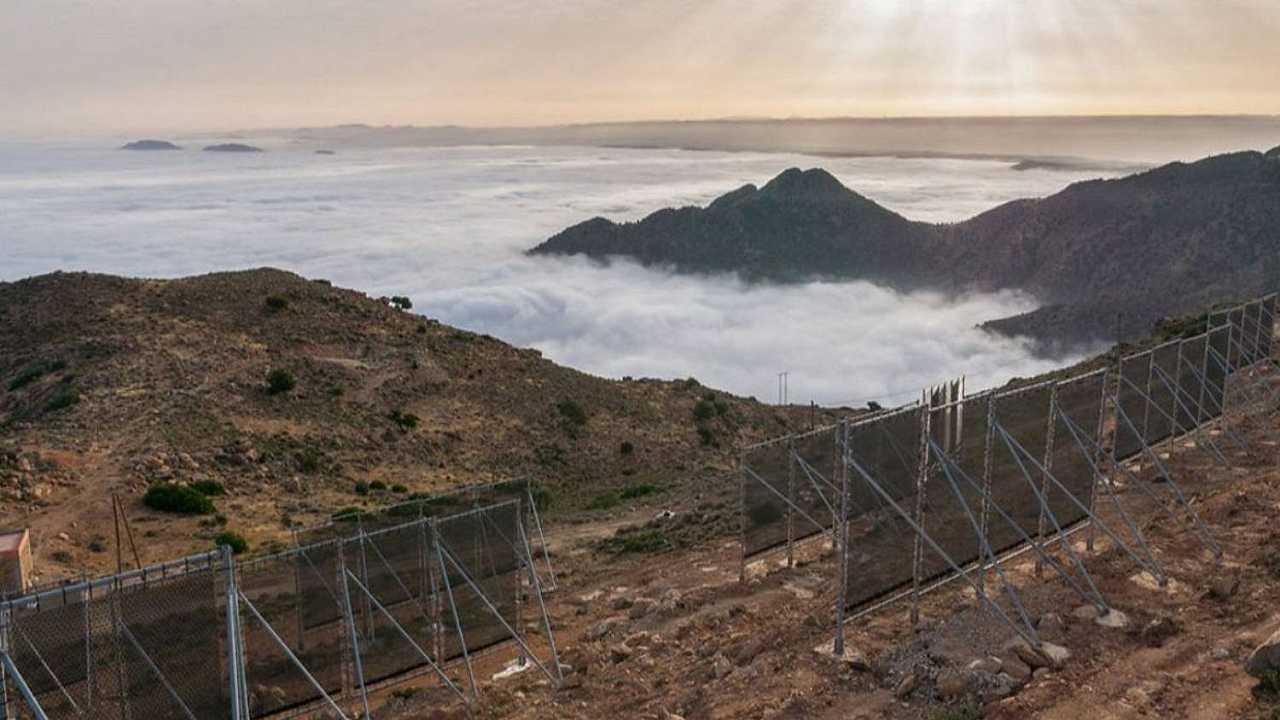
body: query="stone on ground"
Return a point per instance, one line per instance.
(1265, 658)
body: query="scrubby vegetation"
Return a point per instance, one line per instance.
(233, 540)
(406, 421)
(34, 372)
(635, 542)
(175, 498)
(209, 488)
(280, 381)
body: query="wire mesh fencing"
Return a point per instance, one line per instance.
(947, 488)
(309, 631)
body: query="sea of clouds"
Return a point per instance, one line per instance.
(448, 227)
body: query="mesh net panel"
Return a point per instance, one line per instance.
(275, 684)
(1215, 373)
(1080, 401)
(1250, 324)
(1235, 316)
(815, 482)
(1268, 321)
(171, 629)
(396, 576)
(1024, 415)
(1162, 403)
(961, 431)
(1190, 407)
(50, 645)
(765, 482)
(316, 568)
(1134, 371)
(481, 543)
(881, 543)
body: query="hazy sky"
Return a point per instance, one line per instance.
(151, 65)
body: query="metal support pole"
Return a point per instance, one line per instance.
(234, 656)
(842, 537)
(542, 538)
(987, 466)
(351, 622)
(1041, 526)
(292, 658)
(742, 518)
(453, 606)
(32, 704)
(1028, 634)
(791, 494)
(542, 605)
(1097, 457)
(917, 552)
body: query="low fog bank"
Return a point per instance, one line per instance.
(448, 227)
(1069, 143)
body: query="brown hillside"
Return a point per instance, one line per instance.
(110, 384)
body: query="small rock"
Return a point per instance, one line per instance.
(1001, 688)
(721, 667)
(747, 650)
(640, 608)
(1224, 587)
(1114, 619)
(1265, 658)
(1051, 626)
(600, 629)
(1159, 630)
(906, 685)
(622, 602)
(988, 665)
(1086, 612)
(1019, 671)
(619, 652)
(1040, 672)
(64, 537)
(953, 683)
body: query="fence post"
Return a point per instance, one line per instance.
(742, 517)
(987, 445)
(791, 496)
(842, 535)
(922, 476)
(1048, 468)
(234, 656)
(1098, 434)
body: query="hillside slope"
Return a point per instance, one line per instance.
(1157, 243)
(108, 384)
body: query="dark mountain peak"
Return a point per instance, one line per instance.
(1274, 153)
(734, 197)
(814, 183)
(150, 145)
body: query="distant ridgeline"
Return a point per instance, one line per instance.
(1102, 256)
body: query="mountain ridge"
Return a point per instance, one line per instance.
(1154, 243)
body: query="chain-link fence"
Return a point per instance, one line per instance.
(305, 631)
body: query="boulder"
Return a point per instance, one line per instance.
(1265, 658)
(1223, 587)
(1086, 612)
(988, 665)
(1113, 619)
(953, 683)
(906, 685)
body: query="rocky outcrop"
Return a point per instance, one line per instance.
(232, 148)
(1265, 658)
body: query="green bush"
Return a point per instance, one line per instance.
(406, 421)
(644, 541)
(706, 436)
(276, 303)
(34, 372)
(572, 412)
(377, 486)
(280, 381)
(362, 488)
(604, 502)
(968, 711)
(64, 399)
(401, 302)
(347, 514)
(175, 498)
(626, 448)
(398, 488)
(233, 540)
(631, 492)
(704, 410)
(209, 488)
(309, 461)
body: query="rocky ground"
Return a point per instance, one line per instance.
(675, 634)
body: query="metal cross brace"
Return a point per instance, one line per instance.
(289, 653)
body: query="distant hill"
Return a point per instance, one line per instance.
(108, 384)
(233, 148)
(150, 145)
(1160, 242)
